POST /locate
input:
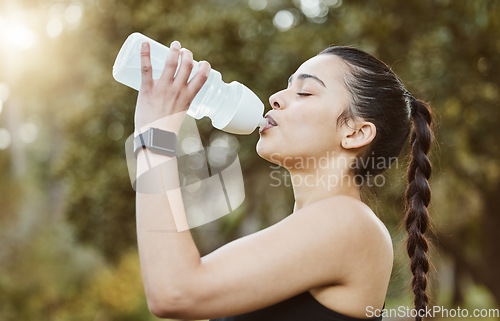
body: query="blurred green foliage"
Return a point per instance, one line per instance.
(67, 216)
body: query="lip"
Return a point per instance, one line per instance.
(270, 123)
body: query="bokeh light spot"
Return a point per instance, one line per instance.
(4, 91)
(28, 132)
(257, 5)
(5, 138)
(54, 27)
(16, 34)
(313, 8)
(115, 130)
(191, 144)
(73, 14)
(193, 183)
(333, 3)
(283, 20)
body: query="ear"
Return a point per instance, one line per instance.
(360, 135)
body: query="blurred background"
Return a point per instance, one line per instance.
(67, 211)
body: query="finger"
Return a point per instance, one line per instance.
(199, 79)
(186, 67)
(146, 69)
(171, 62)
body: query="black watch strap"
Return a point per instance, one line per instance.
(158, 141)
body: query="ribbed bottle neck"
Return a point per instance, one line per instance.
(227, 102)
(218, 96)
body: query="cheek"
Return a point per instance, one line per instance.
(315, 137)
(304, 135)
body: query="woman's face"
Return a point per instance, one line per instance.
(306, 113)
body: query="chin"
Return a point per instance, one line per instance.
(264, 149)
(269, 151)
(261, 149)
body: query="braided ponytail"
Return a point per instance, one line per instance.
(379, 96)
(418, 196)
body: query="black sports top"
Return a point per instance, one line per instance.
(303, 307)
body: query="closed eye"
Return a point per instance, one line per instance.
(304, 94)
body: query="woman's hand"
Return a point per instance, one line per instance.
(171, 93)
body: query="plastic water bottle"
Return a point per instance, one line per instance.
(232, 107)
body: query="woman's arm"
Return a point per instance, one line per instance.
(165, 254)
(312, 247)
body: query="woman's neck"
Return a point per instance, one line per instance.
(316, 183)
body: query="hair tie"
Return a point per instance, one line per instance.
(413, 105)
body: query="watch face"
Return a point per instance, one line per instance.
(163, 140)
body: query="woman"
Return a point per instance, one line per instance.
(331, 259)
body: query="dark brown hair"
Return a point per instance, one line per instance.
(379, 96)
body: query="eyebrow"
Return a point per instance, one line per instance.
(308, 76)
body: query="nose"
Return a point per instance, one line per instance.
(275, 101)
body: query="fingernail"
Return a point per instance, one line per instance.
(144, 45)
(175, 45)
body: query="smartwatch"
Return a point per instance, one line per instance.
(156, 140)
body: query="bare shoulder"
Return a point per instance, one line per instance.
(352, 221)
(361, 243)
(346, 211)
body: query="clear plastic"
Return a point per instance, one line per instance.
(232, 107)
